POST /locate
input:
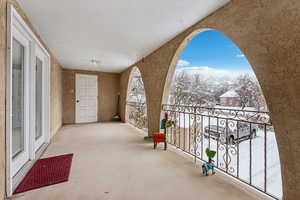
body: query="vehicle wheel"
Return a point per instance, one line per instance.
(231, 139)
(252, 135)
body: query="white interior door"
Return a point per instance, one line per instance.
(86, 98)
(19, 119)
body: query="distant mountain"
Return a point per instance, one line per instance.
(210, 72)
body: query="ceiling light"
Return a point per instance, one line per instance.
(95, 62)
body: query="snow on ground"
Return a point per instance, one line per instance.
(235, 108)
(239, 154)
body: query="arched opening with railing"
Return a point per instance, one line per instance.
(221, 108)
(136, 107)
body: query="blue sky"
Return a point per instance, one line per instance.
(214, 50)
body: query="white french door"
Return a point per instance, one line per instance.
(39, 68)
(86, 98)
(20, 60)
(27, 98)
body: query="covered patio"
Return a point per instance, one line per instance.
(65, 73)
(111, 161)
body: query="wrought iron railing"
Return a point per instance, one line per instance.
(137, 114)
(243, 139)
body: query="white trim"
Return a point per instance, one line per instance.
(16, 25)
(32, 100)
(39, 54)
(23, 157)
(8, 104)
(47, 101)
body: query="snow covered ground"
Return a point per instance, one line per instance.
(239, 154)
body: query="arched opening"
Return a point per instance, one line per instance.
(216, 103)
(136, 107)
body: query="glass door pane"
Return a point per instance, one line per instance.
(38, 98)
(18, 136)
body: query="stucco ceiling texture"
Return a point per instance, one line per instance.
(116, 32)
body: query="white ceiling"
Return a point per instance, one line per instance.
(116, 32)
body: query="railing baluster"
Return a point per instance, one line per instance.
(250, 165)
(209, 132)
(226, 141)
(169, 131)
(202, 137)
(172, 131)
(189, 132)
(265, 157)
(175, 135)
(219, 137)
(238, 148)
(179, 134)
(184, 131)
(195, 133)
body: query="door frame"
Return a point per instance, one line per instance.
(18, 162)
(39, 53)
(15, 21)
(76, 97)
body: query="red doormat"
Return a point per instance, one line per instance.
(47, 171)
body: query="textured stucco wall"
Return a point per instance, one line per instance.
(108, 89)
(56, 87)
(56, 97)
(124, 81)
(268, 32)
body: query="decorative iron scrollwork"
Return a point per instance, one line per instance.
(137, 114)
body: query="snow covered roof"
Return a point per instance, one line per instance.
(230, 93)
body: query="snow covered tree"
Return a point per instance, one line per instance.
(136, 106)
(136, 90)
(179, 89)
(250, 92)
(198, 91)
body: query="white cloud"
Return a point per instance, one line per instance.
(182, 63)
(211, 72)
(240, 55)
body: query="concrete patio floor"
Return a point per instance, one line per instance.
(111, 161)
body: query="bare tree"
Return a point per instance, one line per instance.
(137, 107)
(198, 91)
(179, 89)
(189, 89)
(250, 92)
(194, 89)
